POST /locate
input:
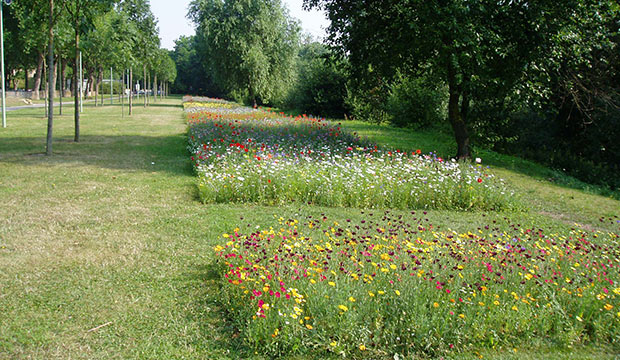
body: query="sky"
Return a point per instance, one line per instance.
(173, 23)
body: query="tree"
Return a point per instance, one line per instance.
(479, 48)
(320, 87)
(82, 14)
(139, 13)
(251, 45)
(16, 54)
(195, 73)
(32, 17)
(168, 71)
(51, 74)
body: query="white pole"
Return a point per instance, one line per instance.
(81, 85)
(111, 88)
(2, 50)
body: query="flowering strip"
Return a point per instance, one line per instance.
(254, 155)
(394, 283)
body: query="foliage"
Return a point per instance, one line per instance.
(415, 102)
(195, 75)
(320, 87)
(478, 49)
(250, 44)
(367, 99)
(566, 110)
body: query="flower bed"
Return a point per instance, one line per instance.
(394, 284)
(252, 155)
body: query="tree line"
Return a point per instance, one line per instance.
(538, 79)
(105, 38)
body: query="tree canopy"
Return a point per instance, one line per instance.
(250, 45)
(478, 48)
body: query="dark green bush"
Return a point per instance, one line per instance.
(320, 88)
(415, 102)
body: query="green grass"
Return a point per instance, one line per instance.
(549, 192)
(110, 230)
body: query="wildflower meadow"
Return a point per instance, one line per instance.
(253, 155)
(390, 283)
(395, 284)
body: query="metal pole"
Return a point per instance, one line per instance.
(81, 85)
(2, 50)
(111, 88)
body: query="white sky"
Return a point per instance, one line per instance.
(173, 23)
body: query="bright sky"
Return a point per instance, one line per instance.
(173, 23)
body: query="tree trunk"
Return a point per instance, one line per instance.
(37, 77)
(144, 83)
(91, 83)
(148, 89)
(51, 81)
(97, 83)
(123, 94)
(455, 116)
(61, 85)
(76, 70)
(130, 91)
(154, 86)
(25, 79)
(45, 97)
(55, 78)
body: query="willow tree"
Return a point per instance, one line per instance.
(251, 45)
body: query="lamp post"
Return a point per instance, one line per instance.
(8, 2)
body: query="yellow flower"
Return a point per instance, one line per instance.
(331, 283)
(275, 333)
(462, 316)
(435, 304)
(480, 303)
(496, 302)
(381, 292)
(351, 299)
(333, 343)
(226, 236)
(312, 281)
(608, 307)
(515, 308)
(362, 347)
(309, 326)
(397, 292)
(343, 308)
(371, 294)
(393, 267)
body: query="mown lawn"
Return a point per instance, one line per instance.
(106, 252)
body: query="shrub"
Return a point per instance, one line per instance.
(414, 102)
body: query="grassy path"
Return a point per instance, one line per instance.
(106, 231)
(105, 250)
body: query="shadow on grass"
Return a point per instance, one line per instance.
(166, 105)
(126, 152)
(216, 327)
